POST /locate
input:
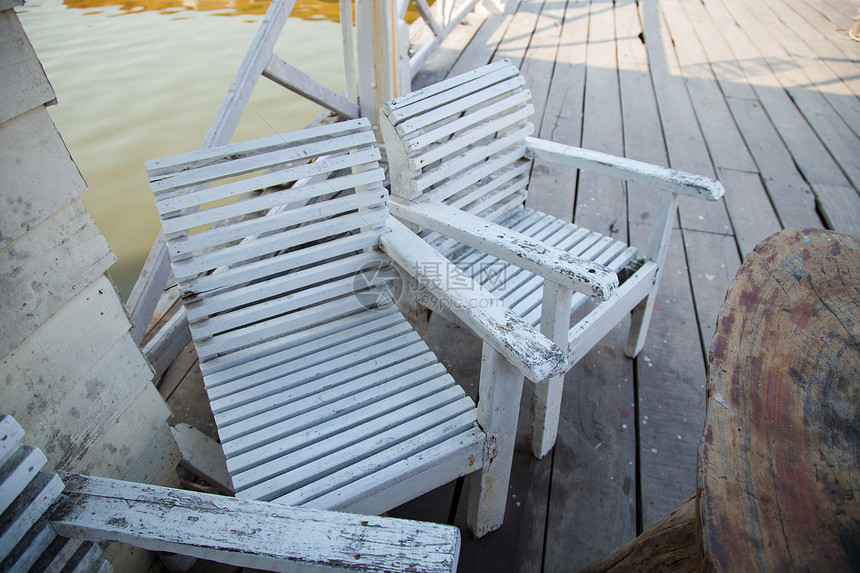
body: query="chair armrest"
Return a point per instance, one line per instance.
(553, 264)
(532, 353)
(649, 174)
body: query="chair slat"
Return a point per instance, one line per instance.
(300, 427)
(433, 428)
(202, 157)
(265, 202)
(399, 403)
(373, 217)
(229, 167)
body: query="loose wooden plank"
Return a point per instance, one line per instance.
(250, 534)
(157, 461)
(39, 174)
(45, 268)
(25, 84)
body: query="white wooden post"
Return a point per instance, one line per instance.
(348, 37)
(378, 59)
(546, 402)
(500, 391)
(658, 246)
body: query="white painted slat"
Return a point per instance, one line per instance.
(264, 202)
(281, 379)
(59, 553)
(516, 175)
(306, 318)
(264, 450)
(402, 110)
(231, 299)
(253, 321)
(30, 548)
(293, 345)
(333, 444)
(476, 173)
(461, 124)
(26, 510)
(466, 160)
(169, 204)
(356, 449)
(252, 534)
(11, 433)
(226, 166)
(280, 241)
(223, 235)
(84, 559)
(249, 272)
(431, 434)
(466, 139)
(18, 471)
(444, 85)
(242, 419)
(421, 472)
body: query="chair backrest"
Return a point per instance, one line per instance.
(265, 233)
(462, 141)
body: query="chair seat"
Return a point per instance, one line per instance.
(521, 290)
(332, 413)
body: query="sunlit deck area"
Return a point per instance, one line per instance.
(762, 95)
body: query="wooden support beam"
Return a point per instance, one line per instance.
(247, 533)
(294, 79)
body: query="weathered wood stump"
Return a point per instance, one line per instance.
(779, 465)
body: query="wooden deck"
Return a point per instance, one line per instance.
(762, 95)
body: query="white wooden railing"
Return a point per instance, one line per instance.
(377, 69)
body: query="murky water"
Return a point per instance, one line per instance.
(143, 79)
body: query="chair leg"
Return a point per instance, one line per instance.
(500, 392)
(546, 402)
(640, 319)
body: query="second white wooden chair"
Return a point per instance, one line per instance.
(459, 155)
(322, 393)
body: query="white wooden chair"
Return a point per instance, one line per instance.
(323, 395)
(459, 155)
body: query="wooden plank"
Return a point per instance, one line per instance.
(593, 488)
(685, 143)
(18, 471)
(790, 194)
(670, 378)
(725, 144)
(443, 59)
(248, 533)
(25, 84)
(553, 188)
(11, 433)
(45, 268)
(294, 79)
(484, 43)
(753, 216)
(39, 174)
(539, 61)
